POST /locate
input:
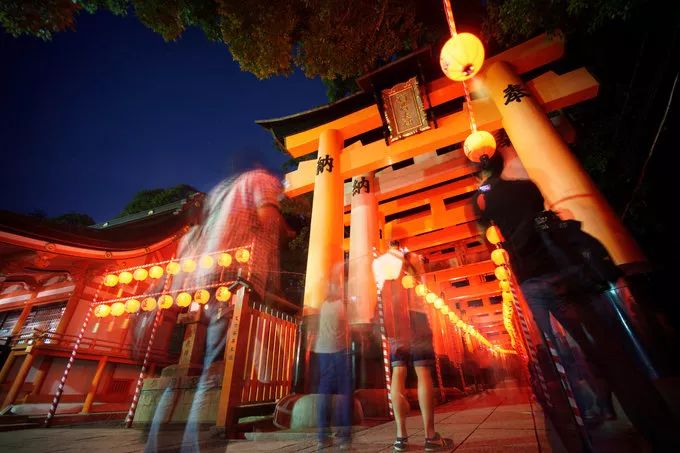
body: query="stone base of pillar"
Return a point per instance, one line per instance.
(300, 411)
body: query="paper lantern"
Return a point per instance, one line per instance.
(501, 273)
(504, 285)
(110, 280)
(183, 299)
(165, 301)
(431, 298)
(202, 296)
(172, 268)
(125, 277)
(460, 324)
(188, 265)
(206, 262)
(438, 303)
(507, 296)
(224, 259)
(148, 304)
(140, 274)
(132, 306)
(493, 235)
(387, 267)
(452, 317)
(421, 290)
(156, 272)
(117, 308)
(102, 311)
(222, 294)
(479, 144)
(445, 310)
(462, 57)
(408, 281)
(242, 255)
(499, 257)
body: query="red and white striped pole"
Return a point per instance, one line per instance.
(71, 359)
(385, 351)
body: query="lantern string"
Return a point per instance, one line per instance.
(471, 113)
(449, 17)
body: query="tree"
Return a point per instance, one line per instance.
(150, 199)
(74, 218)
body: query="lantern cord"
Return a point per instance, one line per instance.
(449, 17)
(471, 113)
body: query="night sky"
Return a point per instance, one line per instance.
(96, 115)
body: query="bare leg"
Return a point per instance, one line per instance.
(426, 398)
(399, 401)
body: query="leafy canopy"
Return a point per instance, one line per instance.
(150, 199)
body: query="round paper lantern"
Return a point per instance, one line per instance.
(408, 281)
(183, 299)
(504, 285)
(148, 304)
(188, 265)
(206, 262)
(507, 296)
(140, 274)
(421, 290)
(156, 272)
(452, 317)
(165, 301)
(499, 257)
(102, 311)
(202, 296)
(125, 277)
(438, 303)
(445, 310)
(242, 255)
(132, 306)
(224, 259)
(501, 273)
(493, 235)
(172, 268)
(117, 308)
(431, 298)
(460, 324)
(479, 144)
(222, 294)
(462, 57)
(110, 280)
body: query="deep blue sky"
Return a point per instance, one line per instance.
(94, 116)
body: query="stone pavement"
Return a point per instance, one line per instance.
(501, 420)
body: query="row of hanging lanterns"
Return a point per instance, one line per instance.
(500, 257)
(188, 265)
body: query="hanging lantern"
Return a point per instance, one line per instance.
(445, 310)
(421, 290)
(202, 296)
(110, 280)
(102, 311)
(140, 274)
(493, 235)
(156, 272)
(438, 303)
(172, 268)
(504, 285)
(222, 294)
(462, 57)
(206, 262)
(117, 308)
(242, 255)
(132, 306)
(183, 299)
(460, 324)
(502, 273)
(479, 144)
(125, 277)
(224, 259)
(408, 281)
(148, 304)
(499, 257)
(165, 301)
(452, 317)
(188, 265)
(507, 296)
(431, 298)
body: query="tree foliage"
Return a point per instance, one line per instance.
(150, 199)
(74, 218)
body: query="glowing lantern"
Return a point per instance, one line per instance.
(438, 303)
(148, 304)
(188, 265)
(431, 298)
(479, 144)
(125, 277)
(421, 290)
(183, 299)
(501, 273)
(504, 285)
(507, 296)
(499, 257)
(117, 308)
(445, 310)
(111, 280)
(462, 57)
(387, 267)
(222, 294)
(242, 255)
(165, 301)
(132, 306)
(140, 274)
(102, 311)
(206, 262)
(172, 268)
(493, 235)
(452, 317)
(156, 272)
(224, 259)
(408, 281)
(202, 296)
(460, 324)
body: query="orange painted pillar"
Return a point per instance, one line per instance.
(89, 399)
(73, 301)
(28, 305)
(551, 165)
(18, 380)
(40, 375)
(327, 226)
